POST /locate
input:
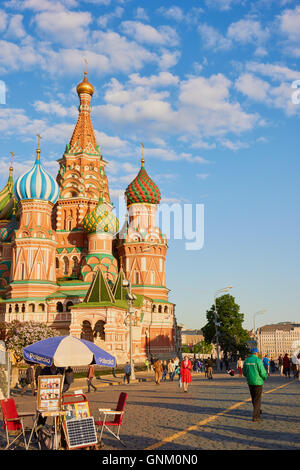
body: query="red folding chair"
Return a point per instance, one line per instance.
(116, 418)
(13, 421)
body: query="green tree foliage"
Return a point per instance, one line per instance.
(19, 335)
(203, 348)
(232, 336)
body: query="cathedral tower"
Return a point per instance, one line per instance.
(34, 247)
(142, 248)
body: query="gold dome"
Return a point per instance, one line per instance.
(85, 86)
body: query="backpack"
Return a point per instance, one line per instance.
(46, 437)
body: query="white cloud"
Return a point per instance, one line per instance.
(163, 35)
(54, 107)
(235, 146)
(252, 86)
(141, 14)
(277, 94)
(68, 27)
(246, 31)
(222, 5)
(41, 5)
(160, 80)
(3, 20)
(104, 19)
(174, 13)
(212, 39)
(15, 28)
(168, 59)
(289, 25)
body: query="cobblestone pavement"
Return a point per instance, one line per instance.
(213, 415)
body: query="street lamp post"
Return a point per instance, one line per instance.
(225, 289)
(260, 312)
(130, 300)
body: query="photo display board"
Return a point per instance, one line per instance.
(49, 392)
(78, 410)
(81, 432)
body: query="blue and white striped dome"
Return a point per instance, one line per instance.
(37, 184)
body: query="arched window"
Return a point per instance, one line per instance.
(10, 309)
(23, 308)
(159, 309)
(57, 263)
(68, 305)
(31, 308)
(59, 307)
(166, 309)
(17, 308)
(41, 308)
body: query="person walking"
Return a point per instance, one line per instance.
(185, 373)
(286, 366)
(158, 369)
(90, 377)
(210, 364)
(280, 364)
(127, 372)
(272, 365)
(240, 367)
(256, 374)
(69, 379)
(147, 364)
(266, 362)
(171, 369)
(29, 380)
(165, 371)
(38, 371)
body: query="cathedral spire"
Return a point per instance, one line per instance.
(83, 139)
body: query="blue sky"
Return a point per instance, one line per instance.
(207, 86)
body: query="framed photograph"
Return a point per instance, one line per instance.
(49, 392)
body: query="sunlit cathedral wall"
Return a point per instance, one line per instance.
(56, 235)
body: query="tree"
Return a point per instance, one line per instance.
(232, 336)
(19, 335)
(203, 348)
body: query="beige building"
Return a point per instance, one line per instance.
(191, 337)
(279, 338)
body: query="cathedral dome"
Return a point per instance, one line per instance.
(7, 231)
(85, 86)
(142, 189)
(37, 183)
(101, 220)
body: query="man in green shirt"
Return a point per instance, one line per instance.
(256, 374)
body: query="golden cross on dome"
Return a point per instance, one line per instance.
(38, 148)
(85, 66)
(11, 162)
(11, 158)
(39, 138)
(142, 160)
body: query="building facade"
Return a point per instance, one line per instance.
(63, 258)
(279, 338)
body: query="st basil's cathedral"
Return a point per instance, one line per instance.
(63, 256)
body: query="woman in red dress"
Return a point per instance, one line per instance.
(185, 373)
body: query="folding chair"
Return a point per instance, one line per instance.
(13, 421)
(118, 414)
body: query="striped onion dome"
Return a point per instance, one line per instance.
(37, 183)
(101, 220)
(7, 231)
(7, 198)
(142, 189)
